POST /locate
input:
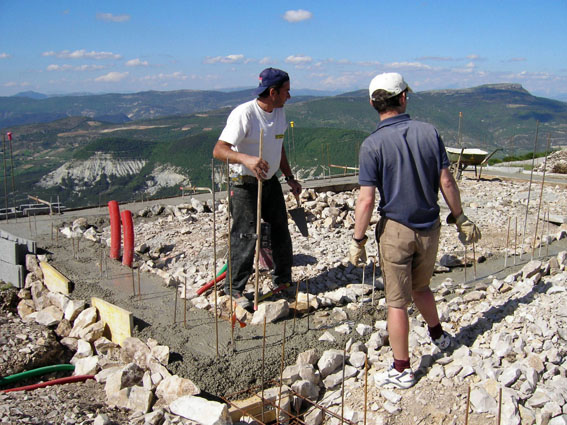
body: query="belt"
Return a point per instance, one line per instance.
(238, 180)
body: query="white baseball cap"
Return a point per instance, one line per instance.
(392, 82)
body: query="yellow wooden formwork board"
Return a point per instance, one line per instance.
(119, 321)
(54, 280)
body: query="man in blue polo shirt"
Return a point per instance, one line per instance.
(406, 160)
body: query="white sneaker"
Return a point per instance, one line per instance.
(393, 378)
(443, 342)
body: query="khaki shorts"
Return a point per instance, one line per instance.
(407, 259)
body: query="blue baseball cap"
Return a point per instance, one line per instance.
(270, 77)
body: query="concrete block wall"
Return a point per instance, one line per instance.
(13, 250)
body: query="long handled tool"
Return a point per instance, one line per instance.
(258, 228)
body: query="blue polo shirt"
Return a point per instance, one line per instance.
(403, 159)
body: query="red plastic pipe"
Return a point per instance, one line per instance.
(211, 283)
(67, 380)
(128, 226)
(114, 212)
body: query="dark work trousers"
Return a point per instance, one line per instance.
(242, 237)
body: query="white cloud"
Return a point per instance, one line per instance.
(225, 59)
(109, 17)
(4, 55)
(408, 65)
(297, 15)
(435, 58)
(82, 54)
(266, 60)
(473, 57)
(164, 77)
(299, 59)
(111, 77)
(136, 62)
(16, 84)
(516, 60)
(67, 67)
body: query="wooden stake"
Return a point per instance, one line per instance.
(258, 228)
(229, 264)
(547, 245)
(215, 255)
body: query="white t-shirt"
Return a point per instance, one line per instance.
(242, 131)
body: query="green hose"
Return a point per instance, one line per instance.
(222, 270)
(36, 372)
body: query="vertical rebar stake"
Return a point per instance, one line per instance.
(499, 406)
(474, 259)
(343, 389)
(229, 264)
(507, 242)
(465, 264)
(468, 406)
(515, 238)
(373, 279)
(175, 304)
(263, 363)
(365, 387)
(258, 229)
(101, 259)
(296, 305)
(547, 245)
(529, 192)
(133, 284)
(215, 255)
(185, 302)
(139, 286)
(281, 375)
(307, 287)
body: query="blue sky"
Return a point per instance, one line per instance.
(119, 46)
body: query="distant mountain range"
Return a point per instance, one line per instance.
(170, 135)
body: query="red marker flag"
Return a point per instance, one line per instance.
(9, 134)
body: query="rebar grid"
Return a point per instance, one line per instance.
(294, 419)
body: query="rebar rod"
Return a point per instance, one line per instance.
(468, 406)
(507, 243)
(474, 259)
(515, 238)
(373, 279)
(133, 284)
(541, 195)
(529, 192)
(365, 387)
(215, 255)
(185, 302)
(281, 375)
(296, 305)
(343, 389)
(175, 304)
(263, 363)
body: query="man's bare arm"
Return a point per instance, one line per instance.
(450, 192)
(256, 165)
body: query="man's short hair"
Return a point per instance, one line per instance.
(383, 100)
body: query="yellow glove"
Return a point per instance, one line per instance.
(468, 232)
(357, 251)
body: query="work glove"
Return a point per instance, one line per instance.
(468, 232)
(357, 252)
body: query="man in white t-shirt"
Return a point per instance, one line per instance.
(239, 143)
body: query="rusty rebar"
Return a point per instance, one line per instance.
(541, 197)
(507, 243)
(296, 305)
(185, 302)
(465, 270)
(365, 387)
(499, 406)
(529, 191)
(515, 238)
(281, 375)
(373, 279)
(133, 284)
(139, 284)
(468, 406)
(307, 290)
(229, 264)
(343, 388)
(474, 259)
(263, 363)
(175, 304)
(214, 255)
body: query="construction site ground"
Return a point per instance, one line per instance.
(191, 333)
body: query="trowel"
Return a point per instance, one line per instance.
(298, 216)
